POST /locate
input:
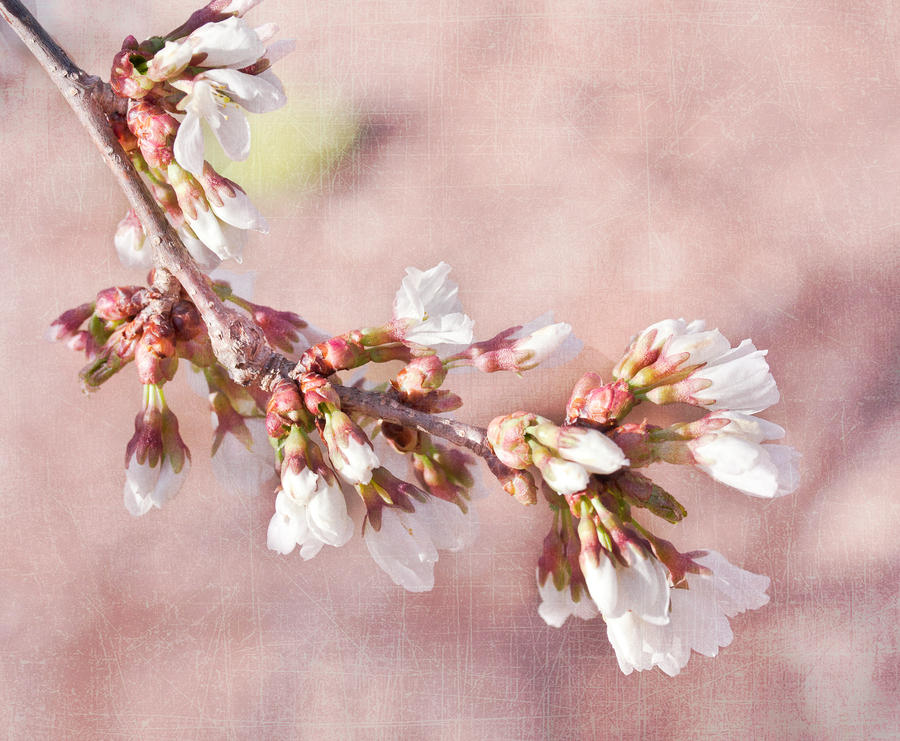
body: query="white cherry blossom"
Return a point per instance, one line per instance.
(698, 619)
(556, 606)
(406, 545)
(149, 486)
(130, 243)
(738, 456)
(428, 302)
(641, 587)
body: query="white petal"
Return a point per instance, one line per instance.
(257, 93)
(203, 256)
(355, 461)
(232, 131)
(592, 449)
(448, 329)
(130, 244)
(643, 588)
(451, 529)
(141, 477)
(565, 477)
(602, 583)
(227, 43)
(741, 380)
(282, 534)
(543, 343)
(188, 147)
(136, 503)
(170, 60)
(240, 212)
(403, 549)
(327, 516)
(300, 486)
(746, 466)
(169, 482)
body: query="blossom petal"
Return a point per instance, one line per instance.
(403, 549)
(257, 93)
(188, 147)
(227, 43)
(327, 516)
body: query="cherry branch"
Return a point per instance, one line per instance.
(238, 343)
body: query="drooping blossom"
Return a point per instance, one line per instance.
(428, 311)
(557, 605)
(631, 580)
(738, 455)
(349, 449)
(156, 459)
(698, 618)
(310, 494)
(242, 459)
(216, 209)
(406, 544)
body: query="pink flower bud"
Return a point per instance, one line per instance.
(67, 323)
(598, 404)
(284, 409)
(119, 302)
(155, 131)
(317, 390)
(506, 435)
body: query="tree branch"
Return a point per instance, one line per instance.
(238, 343)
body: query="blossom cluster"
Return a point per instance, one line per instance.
(203, 75)
(658, 604)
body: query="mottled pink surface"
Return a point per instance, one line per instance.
(614, 162)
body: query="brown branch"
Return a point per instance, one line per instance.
(238, 343)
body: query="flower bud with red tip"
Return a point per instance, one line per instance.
(598, 404)
(155, 131)
(317, 390)
(67, 323)
(506, 435)
(119, 302)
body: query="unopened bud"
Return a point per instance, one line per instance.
(598, 404)
(155, 131)
(119, 302)
(642, 492)
(284, 409)
(318, 391)
(67, 323)
(506, 435)
(518, 484)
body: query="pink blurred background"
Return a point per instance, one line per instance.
(616, 162)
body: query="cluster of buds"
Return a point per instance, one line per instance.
(203, 74)
(155, 330)
(658, 604)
